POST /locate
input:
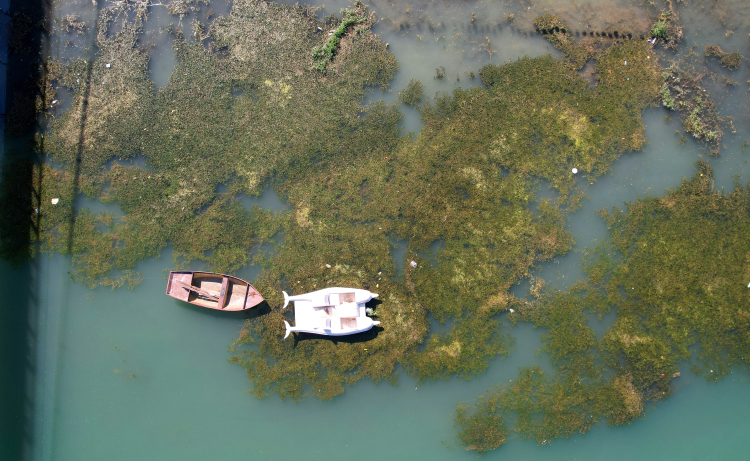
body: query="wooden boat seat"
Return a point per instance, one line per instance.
(223, 294)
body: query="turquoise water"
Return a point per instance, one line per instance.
(123, 375)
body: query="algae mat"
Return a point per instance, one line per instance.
(271, 96)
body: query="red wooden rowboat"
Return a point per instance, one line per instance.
(214, 291)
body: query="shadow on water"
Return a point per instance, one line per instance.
(363, 337)
(248, 314)
(19, 227)
(28, 43)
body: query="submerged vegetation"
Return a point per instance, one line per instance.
(674, 268)
(245, 109)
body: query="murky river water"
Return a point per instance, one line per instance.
(135, 375)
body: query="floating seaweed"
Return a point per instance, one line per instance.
(728, 60)
(681, 90)
(676, 288)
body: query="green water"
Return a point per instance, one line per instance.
(136, 375)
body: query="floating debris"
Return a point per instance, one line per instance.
(729, 60)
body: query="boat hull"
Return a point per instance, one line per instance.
(213, 291)
(327, 331)
(332, 311)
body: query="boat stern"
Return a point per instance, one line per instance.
(178, 279)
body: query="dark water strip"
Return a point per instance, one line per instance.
(19, 227)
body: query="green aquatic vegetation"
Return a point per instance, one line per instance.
(659, 29)
(562, 124)
(697, 111)
(666, 97)
(678, 287)
(462, 352)
(350, 17)
(413, 93)
(696, 297)
(111, 96)
(729, 60)
(482, 429)
(309, 365)
(543, 408)
(195, 133)
(667, 28)
(534, 118)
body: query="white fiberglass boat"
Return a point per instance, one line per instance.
(330, 312)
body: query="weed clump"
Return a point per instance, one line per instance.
(561, 125)
(481, 430)
(73, 22)
(666, 97)
(350, 17)
(728, 60)
(659, 29)
(412, 94)
(682, 91)
(667, 29)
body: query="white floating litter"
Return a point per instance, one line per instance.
(413, 264)
(54, 201)
(574, 170)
